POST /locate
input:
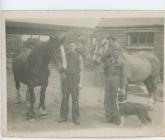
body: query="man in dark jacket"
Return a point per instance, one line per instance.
(71, 83)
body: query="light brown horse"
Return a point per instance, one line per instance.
(142, 67)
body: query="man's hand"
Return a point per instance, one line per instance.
(80, 86)
(123, 92)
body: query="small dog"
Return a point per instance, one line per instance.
(127, 108)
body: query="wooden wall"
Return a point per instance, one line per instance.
(121, 34)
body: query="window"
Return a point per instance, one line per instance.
(141, 39)
(44, 38)
(41, 37)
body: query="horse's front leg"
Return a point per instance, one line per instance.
(18, 98)
(27, 94)
(43, 111)
(31, 113)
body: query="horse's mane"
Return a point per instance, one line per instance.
(32, 43)
(37, 57)
(37, 46)
(41, 50)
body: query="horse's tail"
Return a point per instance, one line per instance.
(148, 118)
(155, 65)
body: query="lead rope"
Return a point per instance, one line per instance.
(100, 97)
(60, 88)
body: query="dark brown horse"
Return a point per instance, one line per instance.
(30, 67)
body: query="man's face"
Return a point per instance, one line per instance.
(72, 47)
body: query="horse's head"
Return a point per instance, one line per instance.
(55, 49)
(100, 49)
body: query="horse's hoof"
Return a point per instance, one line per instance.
(44, 117)
(30, 117)
(18, 101)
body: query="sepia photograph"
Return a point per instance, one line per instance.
(83, 76)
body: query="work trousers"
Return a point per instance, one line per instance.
(70, 87)
(112, 83)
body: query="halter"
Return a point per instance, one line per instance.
(97, 53)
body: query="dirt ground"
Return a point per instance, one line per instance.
(91, 107)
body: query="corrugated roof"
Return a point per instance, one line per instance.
(129, 22)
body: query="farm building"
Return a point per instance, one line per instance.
(41, 29)
(135, 34)
(20, 31)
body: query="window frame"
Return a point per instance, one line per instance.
(138, 35)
